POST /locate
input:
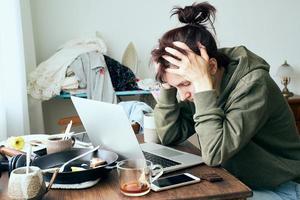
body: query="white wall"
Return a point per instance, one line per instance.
(269, 28)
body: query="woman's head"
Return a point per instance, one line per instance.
(196, 18)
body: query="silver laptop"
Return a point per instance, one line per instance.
(107, 125)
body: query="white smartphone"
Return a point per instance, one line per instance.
(173, 181)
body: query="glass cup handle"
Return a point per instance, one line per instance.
(161, 171)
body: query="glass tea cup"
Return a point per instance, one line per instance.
(135, 176)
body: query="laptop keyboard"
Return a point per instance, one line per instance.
(155, 159)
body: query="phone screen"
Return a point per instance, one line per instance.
(172, 180)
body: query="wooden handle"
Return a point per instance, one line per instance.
(52, 179)
(9, 151)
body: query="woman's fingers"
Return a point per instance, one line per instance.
(201, 47)
(182, 46)
(192, 55)
(189, 66)
(174, 52)
(203, 51)
(172, 60)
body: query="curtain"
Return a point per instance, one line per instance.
(36, 121)
(14, 118)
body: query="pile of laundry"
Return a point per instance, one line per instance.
(81, 66)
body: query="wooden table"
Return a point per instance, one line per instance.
(108, 188)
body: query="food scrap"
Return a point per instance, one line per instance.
(96, 162)
(77, 169)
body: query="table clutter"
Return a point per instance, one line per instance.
(106, 187)
(79, 165)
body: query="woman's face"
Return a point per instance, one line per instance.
(184, 87)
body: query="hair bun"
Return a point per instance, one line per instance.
(195, 14)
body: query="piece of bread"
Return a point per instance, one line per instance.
(95, 162)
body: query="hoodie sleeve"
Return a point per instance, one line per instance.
(173, 119)
(223, 132)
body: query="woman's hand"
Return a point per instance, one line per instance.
(191, 67)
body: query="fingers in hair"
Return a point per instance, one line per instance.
(203, 51)
(174, 52)
(172, 60)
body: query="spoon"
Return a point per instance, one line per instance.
(67, 131)
(61, 169)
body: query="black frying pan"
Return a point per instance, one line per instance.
(69, 177)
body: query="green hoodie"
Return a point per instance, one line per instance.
(248, 128)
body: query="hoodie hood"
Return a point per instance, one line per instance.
(242, 62)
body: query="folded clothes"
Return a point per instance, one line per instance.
(70, 82)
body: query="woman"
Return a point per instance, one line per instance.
(229, 99)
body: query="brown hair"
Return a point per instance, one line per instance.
(195, 17)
